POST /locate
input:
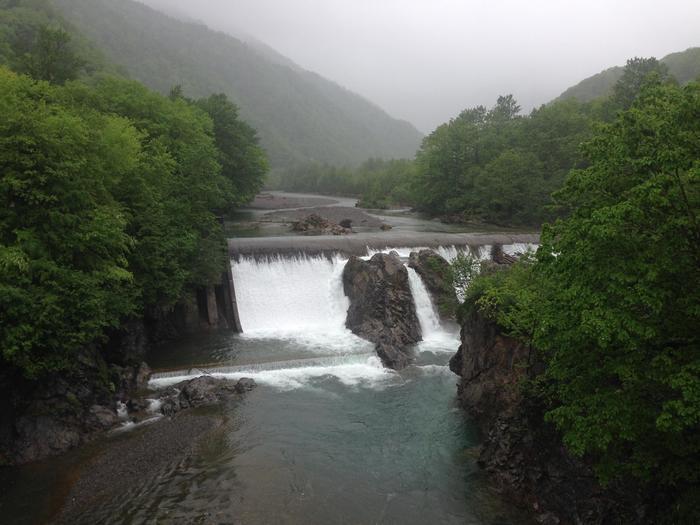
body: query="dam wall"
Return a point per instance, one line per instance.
(360, 243)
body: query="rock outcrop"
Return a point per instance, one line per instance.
(201, 391)
(314, 224)
(381, 306)
(42, 419)
(523, 455)
(437, 276)
(46, 417)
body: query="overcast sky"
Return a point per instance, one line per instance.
(426, 60)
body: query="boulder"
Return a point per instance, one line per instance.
(381, 306)
(314, 224)
(436, 274)
(202, 391)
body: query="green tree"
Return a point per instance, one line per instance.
(52, 57)
(243, 161)
(64, 275)
(612, 302)
(637, 73)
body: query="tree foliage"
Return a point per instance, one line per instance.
(243, 161)
(612, 302)
(638, 73)
(496, 166)
(109, 195)
(378, 183)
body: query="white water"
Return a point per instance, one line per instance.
(360, 370)
(427, 315)
(436, 337)
(450, 253)
(299, 299)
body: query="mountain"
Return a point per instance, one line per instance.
(684, 66)
(300, 116)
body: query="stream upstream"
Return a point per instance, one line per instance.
(329, 436)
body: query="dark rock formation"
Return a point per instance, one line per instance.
(314, 224)
(437, 276)
(381, 306)
(47, 417)
(524, 455)
(202, 391)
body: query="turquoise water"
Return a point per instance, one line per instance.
(328, 436)
(325, 449)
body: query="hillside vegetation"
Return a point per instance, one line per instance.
(489, 165)
(611, 303)
(684, 66)
(300, 116)
(109, 192)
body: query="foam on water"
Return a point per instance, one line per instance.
(519, 248)
(449, 253)
(367, 372)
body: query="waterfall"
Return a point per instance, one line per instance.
(427, 316)
(298, 298)
(437, 337)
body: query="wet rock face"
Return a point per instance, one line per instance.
(491, 366)
(523, 455)
(381, 306)
(435, 272)
(63, 412)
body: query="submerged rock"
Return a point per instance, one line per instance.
(381, 306)
(435, 272)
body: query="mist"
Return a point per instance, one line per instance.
(424, 61)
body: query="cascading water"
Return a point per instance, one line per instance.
(282, 295)
(437, 338)
(427, 316)
(298, 298)
(292, 312)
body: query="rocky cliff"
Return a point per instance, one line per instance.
(381, 306)
(106, 384)
(523, 455)
(45, 417)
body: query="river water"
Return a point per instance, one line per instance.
(329, 436)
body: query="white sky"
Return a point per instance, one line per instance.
(426, 60)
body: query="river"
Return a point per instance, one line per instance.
(329, 436)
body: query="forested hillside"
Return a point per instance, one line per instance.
(300, 116)
(109, 192)
(684, 66)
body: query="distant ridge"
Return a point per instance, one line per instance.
(684, 66)
(300, 116)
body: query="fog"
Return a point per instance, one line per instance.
(426, 60)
